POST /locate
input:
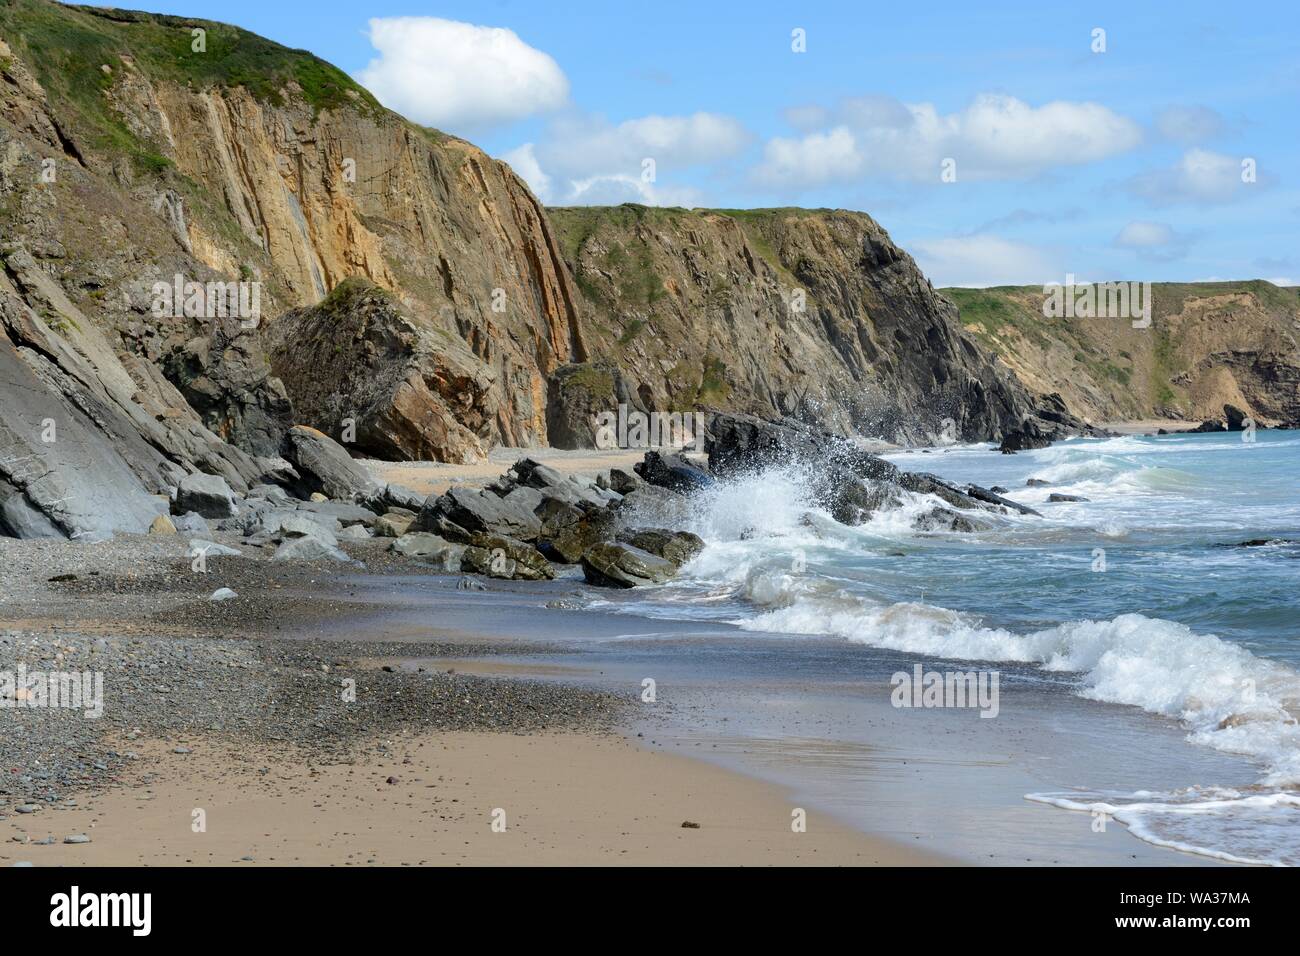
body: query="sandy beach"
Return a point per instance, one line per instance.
(231, 708)
(567, 799)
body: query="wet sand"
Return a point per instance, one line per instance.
(567, 799)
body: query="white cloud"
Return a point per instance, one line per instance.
(584, 159)
(996, 137)
(811, 160)
(1152, 240)
(1200, 176)
(1144, 235)
(1189, 124)
(984, 260)
(459, 76)
(523, 160)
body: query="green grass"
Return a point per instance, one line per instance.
(68, 46)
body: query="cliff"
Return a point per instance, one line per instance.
(1208, 344)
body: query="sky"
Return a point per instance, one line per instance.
(999, 143)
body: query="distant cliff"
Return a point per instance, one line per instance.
(1209, 344)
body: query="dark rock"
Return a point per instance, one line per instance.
(325, 466)
(617, 565)
(1036, 483)
(857, 500)
(944, 519)
(500, 557)
(674, 472)
(991, 496)
(1055, 497)
(1236, 418)
(568, 545)
(675, 546)
(478, 512)
(623, 482)
(577, 394)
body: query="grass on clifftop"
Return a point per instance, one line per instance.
(68, 48)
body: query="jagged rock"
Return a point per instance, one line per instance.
(299, 525)
(309, 549)
(1209, 425)
(162, 525)
(617, 565)
(556, 515)
(394, 524)
(578, 394)
(1236, 418)
(432, 548)
(675, 546)
(355, 532)
(572, 541)
(555, 484)
(268, 493)
(478, 511)
(623, 482)
(944, 519)
(190, 523)
(18, 519)
(924, 484)
(207, 495)
(409, 391)
(674, 472)
(325, 466)
(1036, 483)
(856, 500)
(344, 512)
(1056, 497)
(992, 496)
(501, 557)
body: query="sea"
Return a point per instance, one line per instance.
(1146, 642)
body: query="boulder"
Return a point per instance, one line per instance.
(299, 525)
(571, 542)
(1055, 497)
(857, 499)
(344, 512)
(479, 512)
(394, 524)
(324, 465)
(618, 565)
(623, 482)
(674, 472)
(500, 557)
(577, 394)
(208, 495)
(309, 549)
(190, 523)
(1236, 418)
(944, 519)
(162, 525)
(675, 546)
(435, 550)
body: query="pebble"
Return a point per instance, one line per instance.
(76, 838)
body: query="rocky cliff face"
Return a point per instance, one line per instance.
(144, 154)
(1209, 344)
(810, 314)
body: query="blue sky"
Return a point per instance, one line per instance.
(1122, 164)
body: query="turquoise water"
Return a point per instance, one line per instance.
(1138, 597)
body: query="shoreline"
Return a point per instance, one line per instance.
(251, 730)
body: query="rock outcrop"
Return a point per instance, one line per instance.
(813, 315)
